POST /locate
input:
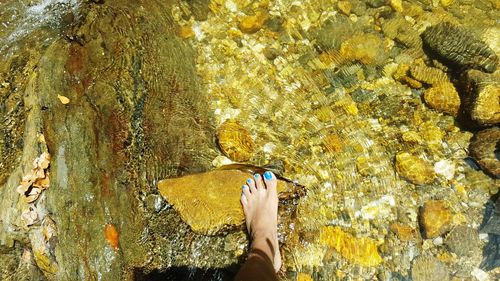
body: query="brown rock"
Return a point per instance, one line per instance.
(403, 231)
(209, 202)
(482, 99)
(235, 141)
(443, 97)
(434, 218)
(414, 169)
(345, 7)
(483, 146)
(252, 24)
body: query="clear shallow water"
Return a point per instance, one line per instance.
(334, 112)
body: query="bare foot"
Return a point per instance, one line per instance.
(260, 204)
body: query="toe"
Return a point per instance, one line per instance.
(271, 182)
(246, 191)
(258, 181)
(250, 183)
(244, 200)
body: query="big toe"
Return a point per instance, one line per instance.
(271, 182)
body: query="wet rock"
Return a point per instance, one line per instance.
(443, 97)
(252, 24)
(235, 141)
(483, 148)
(365, 48)
(427, 74)
(428, 268)
(414, 169)
(482, 95)
(403, 231)
(458, 47)
(491, 226)
(209, 202)
(434, 218)
(345, 7)
(362, 251)
(463, 241)
(333, 144)
(397, 5)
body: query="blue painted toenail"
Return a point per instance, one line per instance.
(268, 175)
(243, 187)
(249, 180)
(256, 176)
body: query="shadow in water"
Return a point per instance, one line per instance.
(188, 274)
(491, 226)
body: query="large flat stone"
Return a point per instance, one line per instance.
(209, 202)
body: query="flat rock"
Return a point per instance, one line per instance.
(209, 202)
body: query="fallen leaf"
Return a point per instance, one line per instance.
(63, 99)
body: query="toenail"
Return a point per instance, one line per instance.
(268, 175)
(249, 180)
(243, 187)
(256, 176)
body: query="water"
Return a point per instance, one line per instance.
(324, 86)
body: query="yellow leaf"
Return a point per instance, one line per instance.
(63, 99)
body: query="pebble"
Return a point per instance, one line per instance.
(252, 24)
(429, 268)
(445, 168)
(414, 169)
(435, 218)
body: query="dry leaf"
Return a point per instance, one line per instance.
(29, 216)
(63, 99)
(42, 183)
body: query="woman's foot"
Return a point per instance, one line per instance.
(260, 204)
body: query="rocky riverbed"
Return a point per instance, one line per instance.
(385, 113)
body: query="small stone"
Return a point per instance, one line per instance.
(443, 97)
(333, 144)
(397, 5)
(235, 141)
(362, 251)
(63, 99)
(446, 3)
(434, 218)
(445, 168)
(345, 7)
(186, 32)
(304, 277)
(252, 24)
(414, 169)
(403, 231)
(463, 241)
(428, 268)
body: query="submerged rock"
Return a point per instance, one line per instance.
(414, 169)
(483, 149)
(463, 241)
(209, 202)
(482, 97)
(362, 251)
(429, 268)
(434, 218)
(235, 141)
(365, 48)
(459, 47)
(443, 97)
